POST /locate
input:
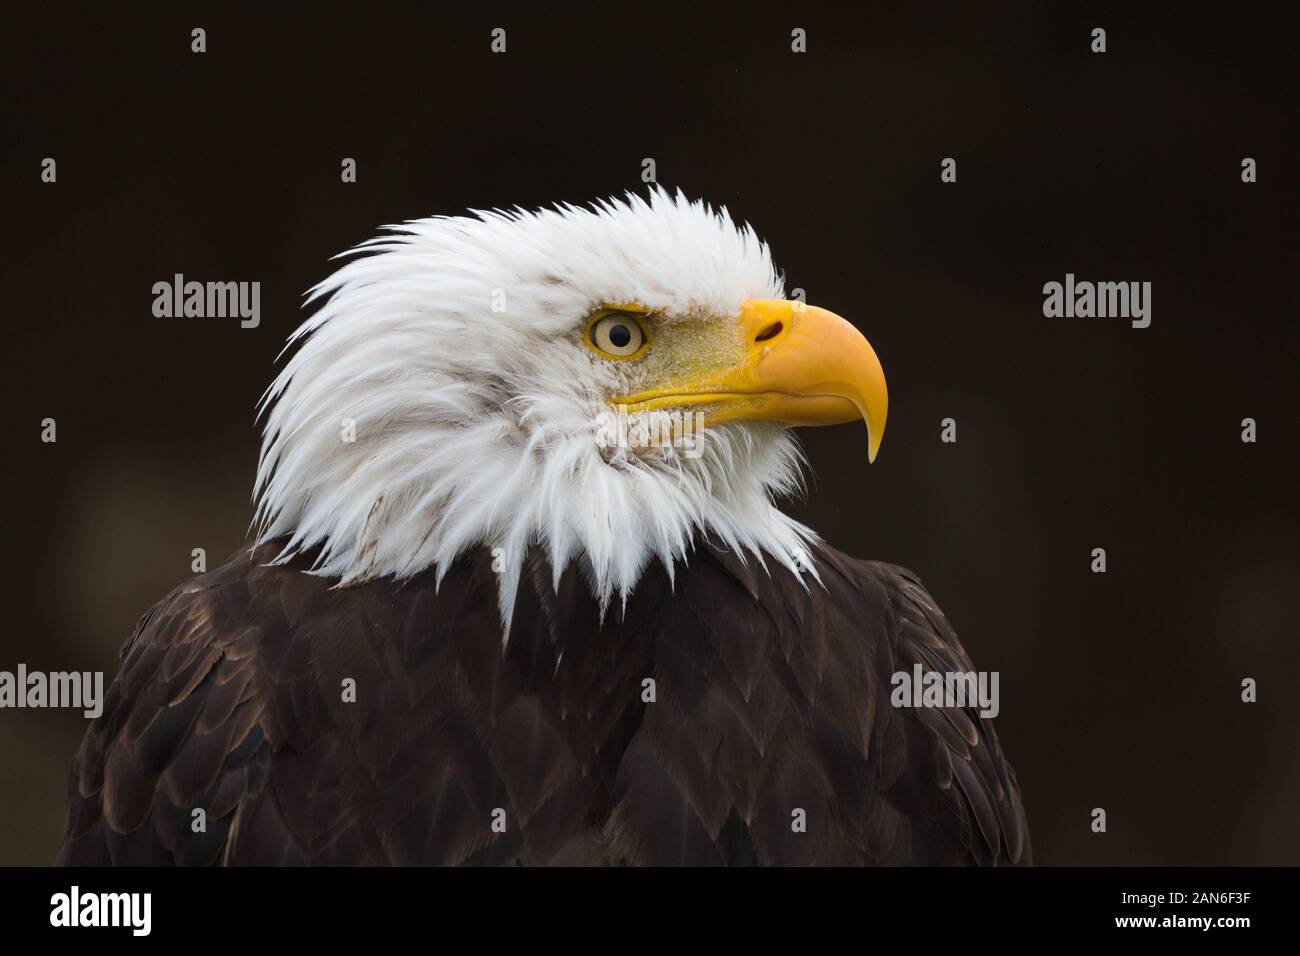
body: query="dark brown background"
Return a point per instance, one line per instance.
(1119, 691)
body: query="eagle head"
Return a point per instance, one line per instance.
(605, 383)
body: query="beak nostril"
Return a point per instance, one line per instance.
(770, 332)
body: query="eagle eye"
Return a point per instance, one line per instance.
(616, 335)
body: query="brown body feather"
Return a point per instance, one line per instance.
(769, 698)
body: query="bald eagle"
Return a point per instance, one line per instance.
(519, 592)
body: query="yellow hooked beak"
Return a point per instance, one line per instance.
(796, 364)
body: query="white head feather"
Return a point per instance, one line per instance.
(456, 350)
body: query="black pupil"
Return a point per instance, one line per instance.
(619, 336)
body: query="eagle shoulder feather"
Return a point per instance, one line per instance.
(689, 729)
